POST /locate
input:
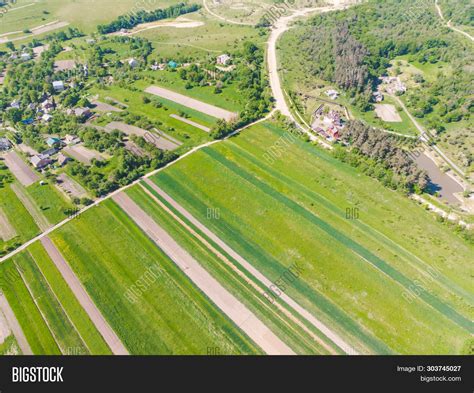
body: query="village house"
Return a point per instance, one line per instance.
(50, 152)
(5, 144)
(58, 86)
(62, 159)
(71, 140)
(393, 84)
(332, 94)
(133, 63)
(15, 104)
(223, 59)
(40, 161)
(377, 96)
(25, 56)
(52, 142)
(47, 105)
(46, 117)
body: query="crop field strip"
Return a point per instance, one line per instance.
(230, 274)
(26, 311)
(441, 306)
(109, 253)
(254, 328)
(50, 308)
(282, 305)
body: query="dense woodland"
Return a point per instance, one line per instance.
(133, 19)
(378, 154)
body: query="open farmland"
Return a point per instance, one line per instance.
(358, 292)
(109, 254)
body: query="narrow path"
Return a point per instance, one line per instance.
(334, 337)
(224, 19)
(223, 299)
(449, 24)
(15, 326)
(82, 296)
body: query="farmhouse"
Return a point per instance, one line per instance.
(332, 94)
(62, 159)
(71, 140)
(133, 63)
(51, 142)
(393, 84)
(25, 56)
(58, 86)
(40, 161)
(49, 152)
(378, 96)
(223, 59)
(5, 144)
(46, 117)
(15, 104)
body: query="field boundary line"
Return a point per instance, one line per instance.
(15, 326)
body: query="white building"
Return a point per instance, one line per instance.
(25, 56)
(223, 59)
(58, 85)
(332, 94)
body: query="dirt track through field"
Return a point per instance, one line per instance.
(22, 172)
(15, 326)
(82, 296)
(225, 301)
(197, 105)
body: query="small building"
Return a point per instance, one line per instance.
(25, 56)
(62, 159)
(223, 59)
(46, 117)
(47, 105)
(377, 96)
(49, 152)
(58, 86)
(82, 112)
(133, 63)
(332, 94)
(40, 161)
(28, 121)
(172, 64)
(90, 41)
(71, 140)
(53, 141)
(5, 144)
(15, 104)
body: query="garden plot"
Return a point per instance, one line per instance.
(388, 113)
(64, 65)
(71, 187)
(188, 102)
(21, 171)
(82, 154)
(161, 141)
(7, 231)
(191, 123)
(103, 107)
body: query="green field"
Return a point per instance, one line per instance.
(26, 311)
(109, 254)
(18, 217)
(51, 202)
(358, 273)
(93, 341)
(281, 325)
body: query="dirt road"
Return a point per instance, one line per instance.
(15, 326)
(224, 300)
(82, 296)
(449, 23)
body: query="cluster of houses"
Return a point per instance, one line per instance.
(393, 84)
(328, 125)
(47, 157)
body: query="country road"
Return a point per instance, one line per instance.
(449, 24)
